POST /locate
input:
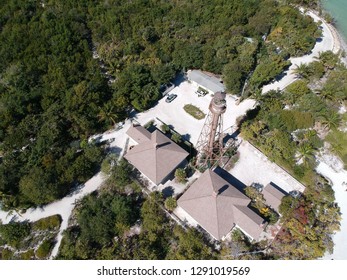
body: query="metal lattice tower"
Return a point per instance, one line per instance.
(210, 143)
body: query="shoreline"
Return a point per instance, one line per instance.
(339, 41)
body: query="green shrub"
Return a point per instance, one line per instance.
(49, 223)
(165, 128)
(180, 175)
(28, 255)
(176, 137)
(107, 164)
(6, 254)
(45, 248)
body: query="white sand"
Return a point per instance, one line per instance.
(254, 167)
(340, 238)
(174, 114)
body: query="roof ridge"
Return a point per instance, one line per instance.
(196, 198)
(210, 179)
(136, 152)
(217, 214)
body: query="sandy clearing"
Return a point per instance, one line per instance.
(254, 167)
(174, 114)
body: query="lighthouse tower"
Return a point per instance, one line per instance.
(210, 143)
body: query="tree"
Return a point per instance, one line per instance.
(38, 187)
(190, 246)
(306, 153)
(329, 59)
(107, 113)
(170, 203)
(14, 233)
(180, 175)
(121, 174)
(330, 120)
(108, 163)
(101, 218)
(302, 71)
(153, 218)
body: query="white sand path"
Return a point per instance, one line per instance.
(62, 207)
(329, 42)
(65, 206)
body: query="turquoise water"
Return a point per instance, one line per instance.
(338, 10)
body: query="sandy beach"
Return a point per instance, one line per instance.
(337, 179)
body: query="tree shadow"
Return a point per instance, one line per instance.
(180, 78)
(168, 191)
(186, 136)
(114, 150)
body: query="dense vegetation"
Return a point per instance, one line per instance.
(53, 94)
(289, 126)
(119, 222)
(308, 223)
(51, 91)
(24, 240)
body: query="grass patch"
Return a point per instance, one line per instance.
(49, 223)
(194, 111)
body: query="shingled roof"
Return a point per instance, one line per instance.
(138, 133)
(273, 195)
(218, 206)
(156, 157)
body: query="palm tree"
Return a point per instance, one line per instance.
(306, 153)
(309, 134)
(330, 120)
(107, 113)
(328, 58)
(302, 71)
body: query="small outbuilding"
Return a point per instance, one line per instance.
(273, 195)
(206, 80)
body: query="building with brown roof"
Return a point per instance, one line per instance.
(138, 133)
(156, 156)
(273, 195)
(218, 207)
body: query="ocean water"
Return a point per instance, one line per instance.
(338, 10)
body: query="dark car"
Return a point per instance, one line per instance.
(170, 97)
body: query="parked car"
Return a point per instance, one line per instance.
(170, 98)
(201, 92)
